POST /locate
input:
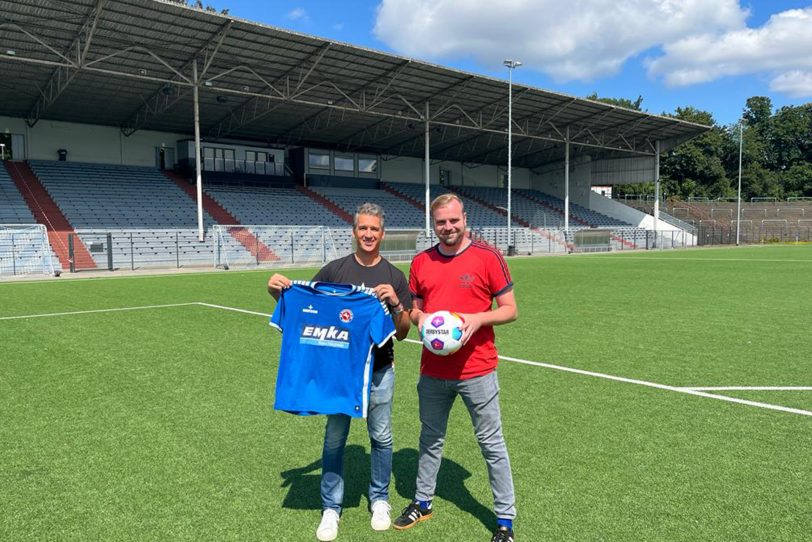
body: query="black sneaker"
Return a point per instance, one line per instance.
(502, 534)
(411, 516)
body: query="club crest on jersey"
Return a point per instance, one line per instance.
(332, 336)
(345, 316)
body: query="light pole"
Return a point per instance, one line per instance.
(511, 65)
(739, 197)
(3, 151)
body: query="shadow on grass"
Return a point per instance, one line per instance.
(304, 491)
(450, 485)
(303, 483)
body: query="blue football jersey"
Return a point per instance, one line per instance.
(328, 331)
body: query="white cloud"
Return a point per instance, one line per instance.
(298, 14)
(582, 39)
(781, 48)
(687, 42)
(795, 83)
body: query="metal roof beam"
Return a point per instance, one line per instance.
(62, 76)
(257, 107)
(475, 124)
(168, 94)
(392, 74)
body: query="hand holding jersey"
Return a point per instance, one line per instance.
(328, 334)
(366, 267)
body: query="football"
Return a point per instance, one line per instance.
(442, 333)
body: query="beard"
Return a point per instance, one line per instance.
(450, 239)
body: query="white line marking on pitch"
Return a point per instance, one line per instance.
(751, 388)
(98, 311)
(234, 309)
(652, 385)
(688, 391)
(681, 258)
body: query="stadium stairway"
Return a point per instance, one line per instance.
(517, 219)
(47, 212)
(567, 245)
(324, 202)
(581, 221)
(254, 246)
(403, 196)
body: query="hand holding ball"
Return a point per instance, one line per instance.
(442, 333)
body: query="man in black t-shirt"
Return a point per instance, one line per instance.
(365, 267)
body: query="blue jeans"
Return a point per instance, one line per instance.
(481, 398)
(379, 425)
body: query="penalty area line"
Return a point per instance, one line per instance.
(687, 391)
(698, 392)
(118, 309)
(750, 388)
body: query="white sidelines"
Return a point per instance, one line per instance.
(751, 388)
(698, 392)
(45, 315)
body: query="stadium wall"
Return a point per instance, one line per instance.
(410, 170)
(623, 171)
(625, 213)
(88, 143)
(550, 179)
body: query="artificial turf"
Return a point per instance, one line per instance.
(158, 423)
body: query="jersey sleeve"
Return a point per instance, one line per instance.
(499, 279)
(278, 315)
(381, 327)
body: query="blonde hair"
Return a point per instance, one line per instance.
(445, 199)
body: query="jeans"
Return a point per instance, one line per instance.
(379, 425)
(481, 397)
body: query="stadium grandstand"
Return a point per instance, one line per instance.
(145, 133)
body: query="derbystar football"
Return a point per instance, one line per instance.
(442, 333)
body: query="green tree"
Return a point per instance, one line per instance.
(696, 167)
(620, 102)
(790, 137)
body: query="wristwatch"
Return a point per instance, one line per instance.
(395, 310)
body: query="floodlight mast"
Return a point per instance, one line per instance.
(511, 65)
(739, 194)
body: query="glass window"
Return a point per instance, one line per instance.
(367, 164)
(208, 152)
(318, 160)
(251, 156)
(228, 154)
(344, 163)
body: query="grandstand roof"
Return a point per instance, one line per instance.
(130, 63)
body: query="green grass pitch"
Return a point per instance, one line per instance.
(157, 423)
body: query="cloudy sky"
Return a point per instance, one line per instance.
(710, 54)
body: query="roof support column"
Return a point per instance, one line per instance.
(427, 173)
(198, 176)
(567, 181)
(656, 189)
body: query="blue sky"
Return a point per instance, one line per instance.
(709, 54)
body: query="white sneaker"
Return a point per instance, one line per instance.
(328, 528)
(380, 515)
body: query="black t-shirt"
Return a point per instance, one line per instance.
(347, 270)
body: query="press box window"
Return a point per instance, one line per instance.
(318, 160)
(344, 163)
(367, 165)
